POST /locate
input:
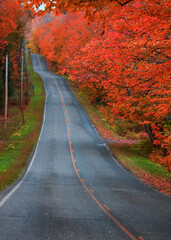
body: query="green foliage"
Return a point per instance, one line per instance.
(125, 128)
(1, 90)
(167, 122)
(20, 142)
(144, 147)
(135, 161)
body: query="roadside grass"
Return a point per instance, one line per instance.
(136, 162)
(19, 141)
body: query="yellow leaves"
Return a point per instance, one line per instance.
(16, 134)
(10, 147)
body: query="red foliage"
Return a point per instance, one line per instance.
(124, 64)
(11, 32)
(162, 184)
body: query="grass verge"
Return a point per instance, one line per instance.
(147, 171)
(20, 139)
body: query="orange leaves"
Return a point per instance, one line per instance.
(11, 32)
(10, 24)
(124, 64)
(10, 12)
(7, 25)
(90, 8)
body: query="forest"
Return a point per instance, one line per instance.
(116, 52)
(13, 20)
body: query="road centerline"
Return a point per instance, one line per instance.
(91, 193)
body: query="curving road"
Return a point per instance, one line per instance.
(73, 188)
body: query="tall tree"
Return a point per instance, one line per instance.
(11, 32)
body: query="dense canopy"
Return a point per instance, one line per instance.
(90, 8)
(125, 66)
(12, 20)
(73, 5)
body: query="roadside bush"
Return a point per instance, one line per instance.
(144, 147)
(125, 128)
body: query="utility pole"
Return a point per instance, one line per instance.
(6, 93)
(27, 83)
(21, 86)
(21, 89)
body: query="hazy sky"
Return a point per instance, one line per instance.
(42, 7)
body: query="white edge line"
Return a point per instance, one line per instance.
(4, 199)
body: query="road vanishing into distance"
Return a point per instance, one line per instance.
(73, 188)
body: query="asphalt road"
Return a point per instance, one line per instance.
(73, 188)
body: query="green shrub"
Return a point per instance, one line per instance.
(144, 147)
(123, 127)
